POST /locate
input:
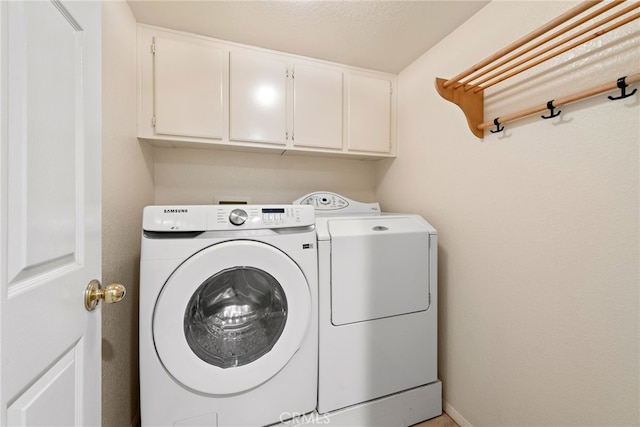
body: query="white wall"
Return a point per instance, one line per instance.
(127, 175)
(194, 176)
(538, 229)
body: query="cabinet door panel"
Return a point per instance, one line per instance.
(369, 114)
(317, 107)
(258, 101)
(188, 88)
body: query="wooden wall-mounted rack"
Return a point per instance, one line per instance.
(467, 88)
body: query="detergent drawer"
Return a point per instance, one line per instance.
(379, 268)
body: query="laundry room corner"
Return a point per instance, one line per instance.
(538, 239)
(127, 175)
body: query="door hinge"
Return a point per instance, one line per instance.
(153, 121)
(153, 48)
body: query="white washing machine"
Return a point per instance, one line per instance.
(378, 314)
(228, 315)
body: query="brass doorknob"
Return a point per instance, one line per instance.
(95, 292)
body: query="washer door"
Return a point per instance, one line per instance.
(231, 317)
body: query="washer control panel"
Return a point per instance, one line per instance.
(225, 217)
(327, 202)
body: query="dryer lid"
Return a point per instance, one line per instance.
(379, 268)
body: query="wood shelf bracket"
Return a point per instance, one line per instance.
(470, 102)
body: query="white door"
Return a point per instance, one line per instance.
(49, 212)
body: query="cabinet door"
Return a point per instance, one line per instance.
(258, 99)
(369, 114)
(317, 107)
(188, 88)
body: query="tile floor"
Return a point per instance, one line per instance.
(442, 421)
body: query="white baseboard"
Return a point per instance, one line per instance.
(455, 415)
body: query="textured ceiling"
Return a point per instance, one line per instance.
(381, 35)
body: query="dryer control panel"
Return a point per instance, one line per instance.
(327, 202)
(225, 217)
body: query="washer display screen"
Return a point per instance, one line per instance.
(235, 317)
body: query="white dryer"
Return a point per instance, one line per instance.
(378, 314)
(228, 315)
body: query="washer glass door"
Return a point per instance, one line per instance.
(235, 317)
(231, 316)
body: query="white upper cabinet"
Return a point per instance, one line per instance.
(258, 99)
(369, 114)
(198, 91)
(188, 88)
(317, 107)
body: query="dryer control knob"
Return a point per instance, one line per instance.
(238, 216)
